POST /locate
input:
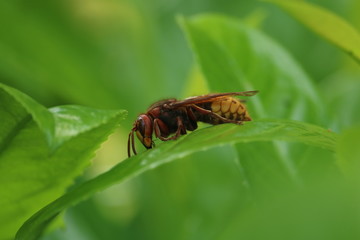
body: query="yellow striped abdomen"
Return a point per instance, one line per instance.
(231, 108)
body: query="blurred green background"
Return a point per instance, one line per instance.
(127, 54)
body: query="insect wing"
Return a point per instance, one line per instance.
(209, 98)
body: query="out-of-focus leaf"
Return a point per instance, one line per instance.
(323, 211)
(326, 24)
(256, 18)
(42, 151)
(196, 83)
(341, 92)
(348, 152)
(96, 53)
(42, 50)
(266, 130)
(235, 57)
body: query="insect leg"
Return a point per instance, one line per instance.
(157, 127)
(192, 119)
(205, 111)
(160, 129)
(181, 128)
(133, 142)
(129, 143)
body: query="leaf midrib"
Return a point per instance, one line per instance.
(14, 132)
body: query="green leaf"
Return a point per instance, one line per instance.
(55, 58)
(200, 140)
(348, 152)
(344, 101)
(326, 210)
(326, 24)
(15, 107)
(42, 151)
(235, 57)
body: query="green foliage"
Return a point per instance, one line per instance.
(292, 172)
(349, 153)
(201, 140)
(323, 211)
(341, 92)
(328, 25)
(42, 151)
(229, 50)
(234, 56)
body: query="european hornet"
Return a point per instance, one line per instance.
(170, 116)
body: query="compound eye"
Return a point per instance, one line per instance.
(144, 130)
(140, 125)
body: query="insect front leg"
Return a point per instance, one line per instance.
(161, 129)
(205, 111)
(131, 142)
